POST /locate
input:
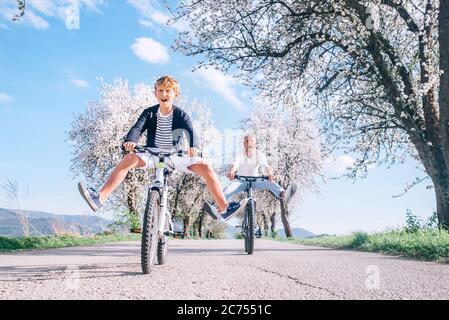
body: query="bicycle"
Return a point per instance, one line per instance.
(249, 218)
(157, 223)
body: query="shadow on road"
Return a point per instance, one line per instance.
(45, 273)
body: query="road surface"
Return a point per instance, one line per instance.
(218, 269)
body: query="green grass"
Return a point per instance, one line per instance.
(431, 245)
(61, 241)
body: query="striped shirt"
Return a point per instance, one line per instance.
(163, 138)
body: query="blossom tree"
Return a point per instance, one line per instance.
(97, 136)
(189, 190)
(375, 71)
(291, 143)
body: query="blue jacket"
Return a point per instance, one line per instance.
(148, 121)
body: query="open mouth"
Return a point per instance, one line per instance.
(164, 100)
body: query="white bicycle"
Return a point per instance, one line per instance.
(157, 223)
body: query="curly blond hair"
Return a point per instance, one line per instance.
(169, 82)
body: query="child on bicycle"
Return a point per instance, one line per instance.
(248, 164)
(163, 123)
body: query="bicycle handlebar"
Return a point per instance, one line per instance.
(251, 178)
(163, 153)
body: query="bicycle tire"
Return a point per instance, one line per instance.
(162, 245)
(245, 228)
(149, 231)
(249, 231)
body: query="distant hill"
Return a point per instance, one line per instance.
(45, 223)
(297, 232)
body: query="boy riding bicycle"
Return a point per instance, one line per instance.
(247, 164)
(164, 123)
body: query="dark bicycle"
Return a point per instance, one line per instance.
(249, 218)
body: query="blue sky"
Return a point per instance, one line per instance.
(49, 67)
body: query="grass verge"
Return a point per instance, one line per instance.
(430, 245)
(61, 241)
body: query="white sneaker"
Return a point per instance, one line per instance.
(290, 192)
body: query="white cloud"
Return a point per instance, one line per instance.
(246, 94)
(222, 84)
(146, 23)
(146, 8)
(36, 21)
(5, 98)
(159, 17)
(338, 165)
(92, 5)
(8, 10)
(79, 83)
(47, 7)
(150, 50)
(37, 10)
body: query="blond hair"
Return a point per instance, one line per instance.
(169, 82)
(249, 136)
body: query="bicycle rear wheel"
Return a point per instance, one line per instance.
(249, 227)
(149, 231)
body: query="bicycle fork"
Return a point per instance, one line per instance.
(162, 187)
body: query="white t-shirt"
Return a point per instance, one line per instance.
(250, 166)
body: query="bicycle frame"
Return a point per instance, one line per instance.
(161, 185)
(248, 226)
(249, 193)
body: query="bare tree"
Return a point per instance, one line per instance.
(376, 71)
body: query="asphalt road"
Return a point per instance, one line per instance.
(218, 269)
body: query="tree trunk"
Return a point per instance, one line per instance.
(186, 221)
(437, 169)
(265, 224)
(442, 197)
(442, 200)
(443, 95)
(131, 196)
(131, 203)
(285, 222)
(200, 225)
(273, 222)
(442, 182)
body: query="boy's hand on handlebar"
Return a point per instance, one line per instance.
(129, 145)
(231, 175)
(192, 152)
(271, 177)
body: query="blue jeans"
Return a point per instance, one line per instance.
(238, 186)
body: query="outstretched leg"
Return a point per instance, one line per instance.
(225, 209)
(95, 199)
(130, 161)
(206, 171)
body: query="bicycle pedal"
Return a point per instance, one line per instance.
(169, 233)
(136, 230)
(237, 226)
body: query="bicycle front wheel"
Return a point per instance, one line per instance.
(162, 246)
(249, 227)
(149, 231)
